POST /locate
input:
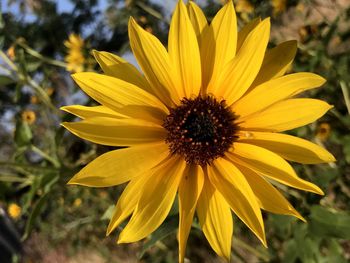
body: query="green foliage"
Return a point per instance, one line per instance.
(37, 159)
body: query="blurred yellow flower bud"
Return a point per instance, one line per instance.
(77, 202)
(11, 53)
(323, 131)
(14, 211)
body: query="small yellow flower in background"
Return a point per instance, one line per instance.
(323, 131)
(149, 29)
(279, 6)
(11, 53)
(103, 194)
(50, 91)
(143, 20)
(75, 58)
(28, 116)
(14, 211)
(34, 99)
(244, 6)
(77, 202)
(203, 123)
(300, 7)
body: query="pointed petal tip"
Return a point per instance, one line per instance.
(331, 158)
(95, 52)
(299, 216)
(319, 192)
(72, 181)
(64, 108)
(264, 242)
(63, 124)
(132, 22)
(296, 214)
(109, 230)
(122, 240)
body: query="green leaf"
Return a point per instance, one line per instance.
(5, 80)
(169, 226)
(329, 224)
(23, 134)
(291, 251)
(108, 213)
(33, 215)
(333, 253)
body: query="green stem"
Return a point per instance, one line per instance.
(40, 92)
(36, 54)
(251, 249)
(8, 61)
(346, 96)
(151, 11)
(54, 162)
(27, 166)
(8, 72)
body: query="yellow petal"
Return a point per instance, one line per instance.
(189, 190)
(219, 42)
(244, 32)
(269, 164)
(235, 189)
(215, 218)
(127, 202)
(115, 93)
(119, 68)
(286, 115)
(184, 52)
(237, 76)
(116, 132)
(276, 90)
(119, 166)
(154, 60)
(84, 112)
(276, 62)
(156, 198)
(198, 19)
(268, 197)
(289, 147)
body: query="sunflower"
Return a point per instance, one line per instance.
(201, 124)
(75, 58)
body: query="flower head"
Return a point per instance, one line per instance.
(14, 211)
(28, 116)
(202, 123)
(75, 58)
(323, 131)
(11, 52)
(279, 6)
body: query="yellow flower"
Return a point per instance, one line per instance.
(50, 91)
(77, 202)
(279, 6)
(11, 53)
(14, 211)
(204, 121)
(323, 131)
(244, 6)
(34, 99)
(75, 58)
(28, 116)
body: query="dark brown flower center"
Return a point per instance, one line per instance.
(200, 129)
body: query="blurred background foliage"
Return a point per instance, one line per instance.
(43, 41)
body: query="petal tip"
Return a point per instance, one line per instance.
(72, 181)
(64, 108)
(109, 230)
